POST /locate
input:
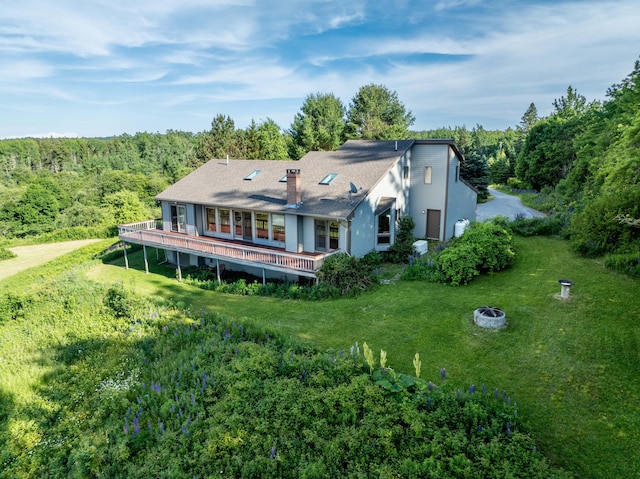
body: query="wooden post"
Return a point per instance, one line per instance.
(179, 270)
(264, 279)
(126, 260)
(146, 261)
(218, 269)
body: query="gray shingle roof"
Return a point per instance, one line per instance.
(361, 162)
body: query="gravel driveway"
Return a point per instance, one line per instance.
(504, 205)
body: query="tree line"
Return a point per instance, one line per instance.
(583, 157)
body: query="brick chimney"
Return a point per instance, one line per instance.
(293, 188)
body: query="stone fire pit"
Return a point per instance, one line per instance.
(489, 317)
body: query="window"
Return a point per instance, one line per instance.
(225, 221)
(262, 226)
(277, 227)
(405, 172)
(211, 220)
(384, 227)
(327, 233)
(328, 179)
(334, 235)
(457, 172)
(252, 175)
(178, 218)
(427, 175)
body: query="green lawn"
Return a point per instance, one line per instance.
(571, 365)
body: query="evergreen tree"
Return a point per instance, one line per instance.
(375, 113)
(319, 126)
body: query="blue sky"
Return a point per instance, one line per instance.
(107, 67)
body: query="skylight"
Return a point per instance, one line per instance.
(328, 179)
(252, 175)
(283, 179)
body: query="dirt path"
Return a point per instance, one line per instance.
(35, 255)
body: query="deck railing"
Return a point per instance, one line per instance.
(148, 233)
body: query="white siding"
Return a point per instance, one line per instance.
(431, 196)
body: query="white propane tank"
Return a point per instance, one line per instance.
(459, 227)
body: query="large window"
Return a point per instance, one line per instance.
(262, 226)
(178, 218)
(327, 233)
(277, 227)
(384, 227)
(225, 220)
(211, 220)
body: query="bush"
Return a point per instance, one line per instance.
(14, 306)
(459, 265)
(484, 247)
(348, 274)
(6, 254)
(600, 229)
(402, 247)
(547, 226)
(624, 263)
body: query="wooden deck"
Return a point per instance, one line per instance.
(149, 233)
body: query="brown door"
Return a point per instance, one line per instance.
(433, 224)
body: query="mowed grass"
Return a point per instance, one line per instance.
(572, 366)
(36, 255)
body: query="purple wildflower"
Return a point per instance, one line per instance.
(496, 393)
(508, 429)
(443, 373)
(193, 400)
(272, 456)
(472, 389)
(430, 386)
(136, 426)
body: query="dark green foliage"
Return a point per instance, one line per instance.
(333, 284)
(484, 247)
(376, 113)
(14, 306)
(118, 301)
(547, 226)
(402, 247)
(319, 126)
(6, 254)
(348, 274)
(600, 228)
(628, 264)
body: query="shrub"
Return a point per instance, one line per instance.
(14, 306)
(458, 265)
(348, 274)
(624, 263)
(402, 247)
(484, 247)
(6, 254)
(547, 226)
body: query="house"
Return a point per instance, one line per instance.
(284, 218)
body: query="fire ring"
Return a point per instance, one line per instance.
(489, 317)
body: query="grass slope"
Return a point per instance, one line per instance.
(572, 366)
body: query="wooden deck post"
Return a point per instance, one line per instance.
(126, 260)
(218, 269)
(146, 261)
(264, 278)
(179, 270)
